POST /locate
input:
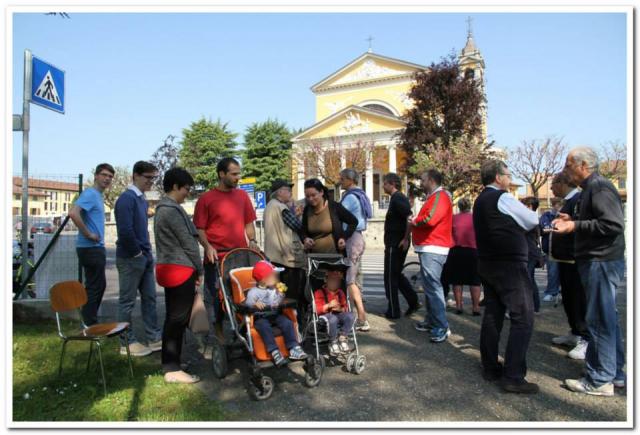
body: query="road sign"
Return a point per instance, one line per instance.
(261, 199)
(249, 188)
(47, 85)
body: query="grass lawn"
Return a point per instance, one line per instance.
(39, 395)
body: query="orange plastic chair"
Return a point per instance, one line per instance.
(71, 295)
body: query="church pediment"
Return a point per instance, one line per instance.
(366, 68)
(351, 121)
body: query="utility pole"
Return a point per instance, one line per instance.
(25, 162)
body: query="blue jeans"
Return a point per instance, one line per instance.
(431, 269)
(605, 354)
(553, 278)
(264, 327)
(136, 274)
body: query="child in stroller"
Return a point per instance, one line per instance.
(332, 307)
(266, 296)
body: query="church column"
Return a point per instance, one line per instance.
(368, 181)
(392, 158)
(300, 181)
(343, 164)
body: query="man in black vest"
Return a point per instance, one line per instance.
(500, 222)
(563, 252)
(599, 252)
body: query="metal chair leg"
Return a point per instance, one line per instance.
(104, 381)
(126, 342)
(90, 355)
(64, 346)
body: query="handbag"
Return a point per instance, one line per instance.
(199, 321)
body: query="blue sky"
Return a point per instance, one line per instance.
(132, 79)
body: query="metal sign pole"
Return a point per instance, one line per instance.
(25, 162)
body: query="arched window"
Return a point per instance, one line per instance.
(378, 108)
(469, 73)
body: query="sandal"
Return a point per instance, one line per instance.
(180, 377)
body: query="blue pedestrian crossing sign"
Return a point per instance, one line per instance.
(261, 199)
(47, 85)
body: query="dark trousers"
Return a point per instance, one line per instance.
(506, 287)
(211, 299)
(574, 299)
(339, 322)
(395, 280)
(178, 304)
(295, 279)
(93, 262)
(264, 327)
(531, 269)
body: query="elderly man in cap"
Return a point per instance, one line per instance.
(283, 243)
(599, 255)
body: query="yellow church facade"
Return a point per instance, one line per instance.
(359, 116)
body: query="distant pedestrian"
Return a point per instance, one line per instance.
(283, 242)
(134, 260)
(87, 213)
(224, 217)
(599, 253)
(500, 222)
(562, 250)
(396, 247)
(535, 258)
(553, 272)
(355, 200)
(179, 269)
(461, 267)
(432, 239)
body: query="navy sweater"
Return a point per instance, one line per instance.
(131, 223)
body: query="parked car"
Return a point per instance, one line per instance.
(41, 228)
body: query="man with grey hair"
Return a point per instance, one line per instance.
(599, 256)
(355, 200)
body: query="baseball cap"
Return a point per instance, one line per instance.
(277, 184)
(263, 269)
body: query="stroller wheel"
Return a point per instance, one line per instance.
(264, 391)
(219, 359)
(351, 359)
(313, 372)
(359, 364)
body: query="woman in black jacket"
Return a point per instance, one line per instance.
(323, 219)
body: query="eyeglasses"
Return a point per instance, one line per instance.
(506, 175)
(150, 177)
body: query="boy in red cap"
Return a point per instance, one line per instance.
(266, 297)
(331, 303)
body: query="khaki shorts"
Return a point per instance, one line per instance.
(355, 248)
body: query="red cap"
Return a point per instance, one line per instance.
(263, 269)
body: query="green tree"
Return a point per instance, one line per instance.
(267, 153)
(204, 143)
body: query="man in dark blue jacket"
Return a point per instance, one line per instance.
(599, 253)
(134, 260)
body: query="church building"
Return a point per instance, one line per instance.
(359, 110)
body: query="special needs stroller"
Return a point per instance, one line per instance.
(316, 327)
(235, 274)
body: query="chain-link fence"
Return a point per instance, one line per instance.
(50, 234)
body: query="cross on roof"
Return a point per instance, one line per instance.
(369, 39)
(469, 20)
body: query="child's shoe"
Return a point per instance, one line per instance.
(344, 344)
(334, 348)
(278, 359)
(296, 353)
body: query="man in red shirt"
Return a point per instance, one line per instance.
(432, 239)
(224, 219)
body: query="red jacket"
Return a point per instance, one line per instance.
(320, 300)
(433, 223)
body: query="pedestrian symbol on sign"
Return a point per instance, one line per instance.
(47, 89)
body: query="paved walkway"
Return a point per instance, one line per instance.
(410, 379)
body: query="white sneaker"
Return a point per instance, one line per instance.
(136, 349)
(566, 340)
(548, 298)
(155, 346)
(451, 303)
(580, 350)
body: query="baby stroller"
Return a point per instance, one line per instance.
(316, 327)
(244, 341)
